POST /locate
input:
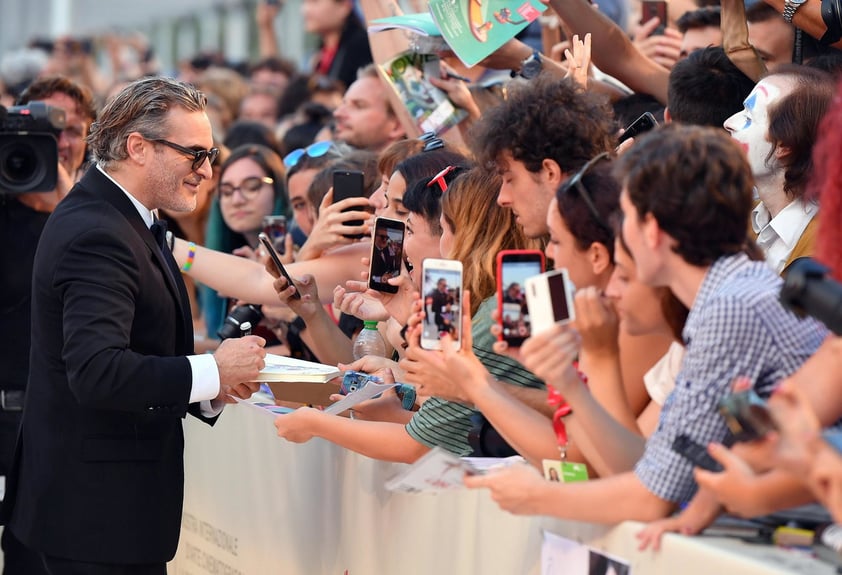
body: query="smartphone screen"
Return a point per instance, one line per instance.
(442, 293)
(386, 254)
(276, 228)
(349, 184)
(513, 268)
(267, 244)
(549, 297)
(652, 8)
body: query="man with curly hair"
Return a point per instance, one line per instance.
(543, 133)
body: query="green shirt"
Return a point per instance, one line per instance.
(446, 423)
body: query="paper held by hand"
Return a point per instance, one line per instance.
(287, 369)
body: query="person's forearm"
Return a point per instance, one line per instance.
(374, 439)
(606, 386)
(267, 42)
(248, 280)
(326, 340)
(774, 491)
(529, 432)
(608, 446)
(612, 51)
(231, 275)
(807, 18)
(607, 501)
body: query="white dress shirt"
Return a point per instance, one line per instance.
(777, 236)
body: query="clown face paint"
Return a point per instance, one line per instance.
(750, 126)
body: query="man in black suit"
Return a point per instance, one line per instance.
(97, 482)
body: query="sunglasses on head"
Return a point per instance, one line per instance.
(575, 182)
(316, 150)
(440, 178)
(431, 141)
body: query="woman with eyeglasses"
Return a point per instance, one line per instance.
(251, 186)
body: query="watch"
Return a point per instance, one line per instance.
(532, 66)
(790, 8)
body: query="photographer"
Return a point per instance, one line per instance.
(22, 218)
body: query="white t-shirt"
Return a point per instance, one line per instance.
(660, 379)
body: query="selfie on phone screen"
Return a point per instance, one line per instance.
(514, 313)
(386, 254)
(442, 301)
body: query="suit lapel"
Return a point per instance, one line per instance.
(95, 181)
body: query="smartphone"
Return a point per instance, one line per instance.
(650, 9)
(349, 184)
(746, 415)
(356, 380)
(549, 297)
(441, 288)
(513, 267)
(276, 228)
(642, 124)
(386, 254)
(267, 243)
(695, 453)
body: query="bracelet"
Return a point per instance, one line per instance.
(191, 255)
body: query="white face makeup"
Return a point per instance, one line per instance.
(750, 126)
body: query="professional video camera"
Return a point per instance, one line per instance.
(29, 147)
(807, 291)
(249, 312)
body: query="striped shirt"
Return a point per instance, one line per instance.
(736, 327)
(446, 423)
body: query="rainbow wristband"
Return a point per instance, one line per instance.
(191, 255)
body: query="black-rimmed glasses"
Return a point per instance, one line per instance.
(575, 181)
(199, 156)
(248, 188)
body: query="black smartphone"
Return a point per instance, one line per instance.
(513, 269)
(642, 124)
(267, 243)
(746, 415)
(650, 9)
(349, 184)
(695, 453)
(386, 254)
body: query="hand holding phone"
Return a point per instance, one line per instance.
(642, 124)
(746, 415)
(270, 249)
(441, 290)
(349, 184)
(695, 453)
(513, 269)
(651, 9)
(549, 297)
(386, 254)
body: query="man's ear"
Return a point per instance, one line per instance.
(397, 131)
(138, 148)
(782, 152)
(552, 172)
(652, 233)
(667, 116)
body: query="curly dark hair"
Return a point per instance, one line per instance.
(698, 186)
(545, 119)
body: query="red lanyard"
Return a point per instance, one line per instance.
(562, 410)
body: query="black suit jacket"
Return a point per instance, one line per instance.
(99, 472)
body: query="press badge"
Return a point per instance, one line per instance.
(564, 471)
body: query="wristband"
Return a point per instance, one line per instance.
(191, 255)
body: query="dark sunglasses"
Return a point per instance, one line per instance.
(575, 181)
(439, 178)
(199, 156)
(316, 150)
(431, 141)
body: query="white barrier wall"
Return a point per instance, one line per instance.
(257, 505)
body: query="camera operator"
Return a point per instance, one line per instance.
(22, 218)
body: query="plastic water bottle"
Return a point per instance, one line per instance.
(369, 342)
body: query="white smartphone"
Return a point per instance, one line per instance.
(549, 297)
(441, 288)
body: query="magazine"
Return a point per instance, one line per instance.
(281, 368)
(476, 28)
(428, 106)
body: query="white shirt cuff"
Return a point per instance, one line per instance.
(205, 384)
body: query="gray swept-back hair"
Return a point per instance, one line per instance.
(140, 107)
